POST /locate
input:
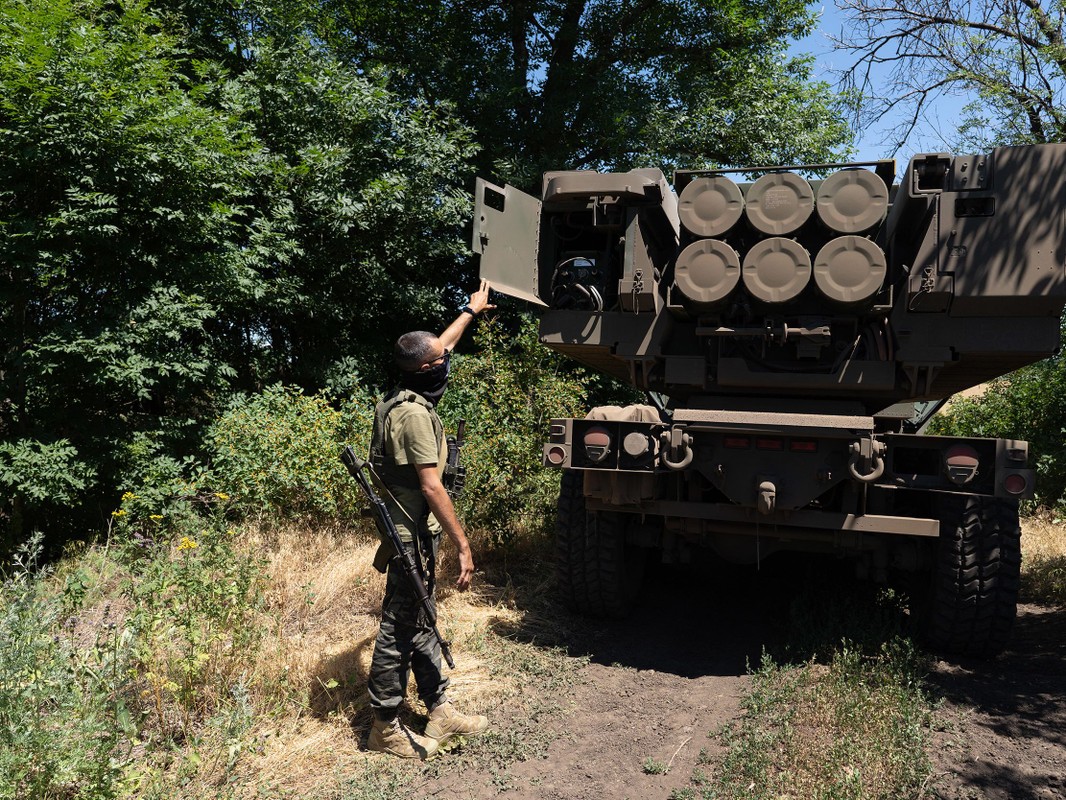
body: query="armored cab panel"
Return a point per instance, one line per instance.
(506, 236)
(1002, 234)
(592, 242)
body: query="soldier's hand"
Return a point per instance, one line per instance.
(466, 570)
(479, 300)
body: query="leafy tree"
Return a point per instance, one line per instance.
(571, 84)
(1012, 55)
(115, 195)
(171, 230)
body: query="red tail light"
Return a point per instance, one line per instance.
(1015, 483)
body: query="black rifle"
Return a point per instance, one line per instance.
(454, 472)
(411, 567)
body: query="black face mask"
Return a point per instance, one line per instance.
(430, 383)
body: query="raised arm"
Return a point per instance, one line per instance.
(479, 301)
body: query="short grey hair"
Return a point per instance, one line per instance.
(414, 349)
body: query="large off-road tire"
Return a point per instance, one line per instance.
(974, 595)
(598, 572)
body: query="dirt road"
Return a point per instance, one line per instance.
(1005, 720)
(660, 685)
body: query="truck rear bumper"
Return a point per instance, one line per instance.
(722, 518)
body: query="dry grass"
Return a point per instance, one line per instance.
(310, 704)
(1044, 560)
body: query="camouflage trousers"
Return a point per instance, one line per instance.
(405, 644)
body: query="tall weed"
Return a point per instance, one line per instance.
(64, 721)
(193, 606)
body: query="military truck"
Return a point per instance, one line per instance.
(793, 328)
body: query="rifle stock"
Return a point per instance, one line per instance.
(359, 469)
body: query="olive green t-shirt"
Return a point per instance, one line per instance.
(410, 439)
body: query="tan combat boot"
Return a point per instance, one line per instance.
(392, 736)
(446, 725)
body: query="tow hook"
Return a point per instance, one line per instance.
(767, 499)
(867, 462)
(677, 450)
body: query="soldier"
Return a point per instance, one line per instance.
(409, 452)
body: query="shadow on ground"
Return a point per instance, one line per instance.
(717, 619)
(1008, 739)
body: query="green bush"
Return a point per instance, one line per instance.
(508, 392)
(1028, 404)
(276, 453)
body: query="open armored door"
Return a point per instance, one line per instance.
(506, 233)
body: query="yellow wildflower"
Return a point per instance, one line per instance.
(187, 544)
(155, 516)
(128, 496)
(222, 495)
(120, 513)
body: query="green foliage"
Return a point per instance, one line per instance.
(508, 392)
(128, 653)
(1027, 404)
(42, 472)
(174, 228)
(276, 453)
(652, 767)
(858, 729)
(62, 713)
(592, 84)
(193, 604)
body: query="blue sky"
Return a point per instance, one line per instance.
(875, 142)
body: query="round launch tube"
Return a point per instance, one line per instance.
(706, 272)
(852, 201)
(710, 206)
(779, 203)
(776, 270)
(850, 270)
